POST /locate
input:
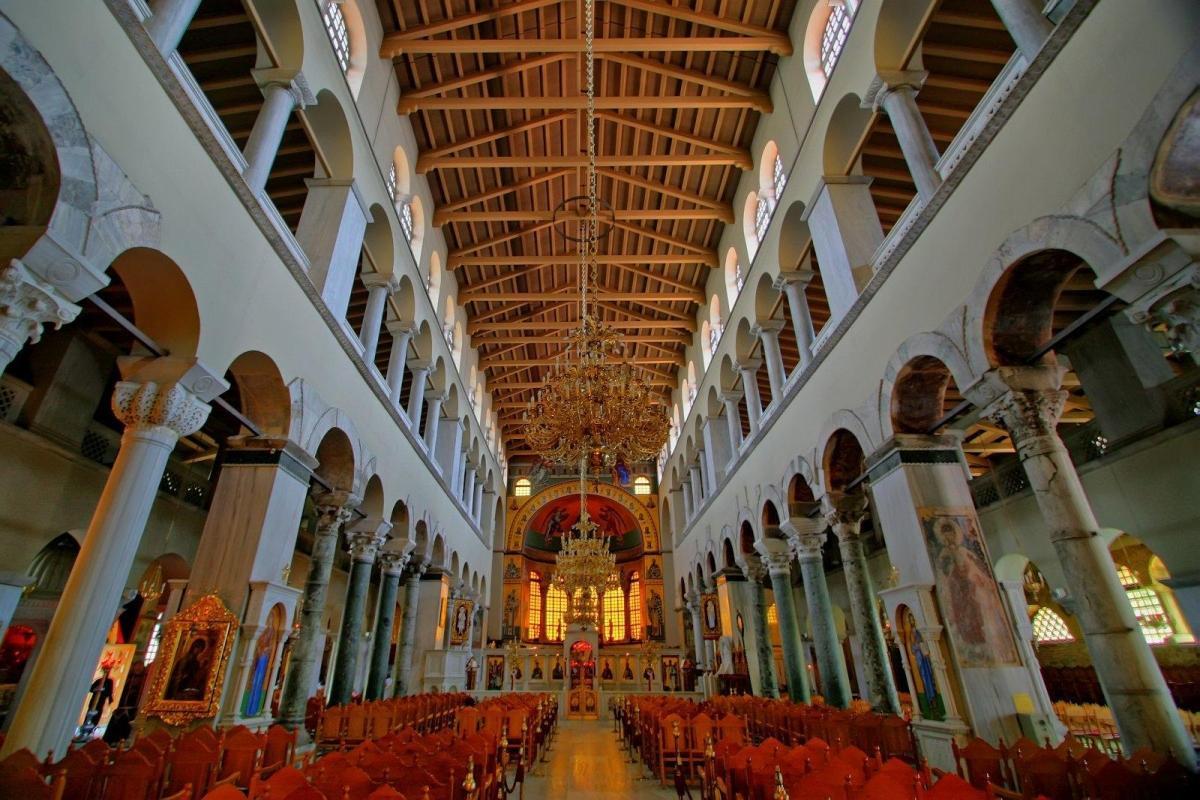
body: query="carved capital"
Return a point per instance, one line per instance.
(27, 303)
(777, 555)
(844, 512)
(364, 545)
(755, 570)
(392, 563)
(334, 509)
(1029, 414)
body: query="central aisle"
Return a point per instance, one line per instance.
(587, 764)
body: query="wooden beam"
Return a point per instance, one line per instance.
(523, 385)
(552, 339)
(965, 53)
(744, 160)
(454, 262)
(690, 76)
(987, 23)
(394, 45)
(475, 247)
(783, 44)
(661, 188)
(623, 213)
(413, 96)
(711, 258)
(499, 191)
(603, 295)
(487, 362)
(577, 103)
(467, 20)
(630, 160)
(474, 327)
(219, 54)
(490, 136)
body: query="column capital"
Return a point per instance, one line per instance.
(376, 280)
(292, 81)
(419, 365)
(1027, 401)
(890, 81)
(392, 562)
(398, 328)
(731, 396)
(165, 392)
(770, 327)
(27, 303)
(437, 396)
(805, 534)
(777, 553)
(366, 538)
(844, 512)
(755, 569)
(793, 277)
(749, 365)
(334, 508)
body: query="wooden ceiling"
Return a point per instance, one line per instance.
(496, 102)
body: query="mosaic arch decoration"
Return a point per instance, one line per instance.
(538, 514)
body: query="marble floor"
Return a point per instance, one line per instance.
(587, 763)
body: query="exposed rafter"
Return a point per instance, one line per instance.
(394, 45)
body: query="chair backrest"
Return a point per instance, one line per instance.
(280, 746)
(82, 773)
(979, 763)
(25, 783)
(131, 776)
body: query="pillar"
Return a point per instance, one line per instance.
(693, 607)
(402, 333)
(333, 509)
(391, 564)
(168, 22)
(778, 557)
(793, 283)
(378, 289)
(1026, 24)
(678, 510)
(408, 628)
(689, 503)
(895, 93)
(845, 513)
(768, 685)
(487, 508)
(477, 500)
(845, 235)
(332, 226)
(468, 492)
(1129, 675)
(749, 371)
(768, 334)
(808, 538)
(433, 415)
(716, 447)
(697, 485)
(365, 540)
(448, 456)
(416, 393)
(733, 420)
(281, 95)
(158, 400)
(27, 303)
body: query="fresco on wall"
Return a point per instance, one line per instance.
(966, 588)
(920, 666)
(554, 520)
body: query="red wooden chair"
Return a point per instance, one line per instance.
(131, 776)
(979, 763)
(279, 747)
(282, 782)
(241, 754)
(27, 784)
(82, 772)
(190, 763)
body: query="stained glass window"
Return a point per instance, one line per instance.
(1148, 609)
(155, 640)
(635, 606)
(762, 218)
(534, 623)
(614, 616)
(556, 613)
(522, 488)
(834, 38)
(391, 181)
(1050, 628)
(406, 220)
(641, 485)
(779, 178)
(339, 37)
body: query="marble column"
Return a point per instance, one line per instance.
(168, 22)
(416, 394)
(808, 537)
(1026, 24)
(845, 513)
(793, 283)
(391, 564)
(27, 304)
(697, 485)
(433, 415)
(379, 287)
(749, 371)
(332, 227)
(158, 400)
(365, 541)
(408, 628)
(689, 504)
(334, 509)
(402, 333)
(845, 235)
(1129, 675)
(733, 420)
(716, 445)
(768, 334)
(896, 94)
(768, 686)
(477, 500)
(468, 492)
(281, 95)
(777, 554)
(693, 607)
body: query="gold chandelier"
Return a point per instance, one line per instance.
(594, 407)
(585, 566)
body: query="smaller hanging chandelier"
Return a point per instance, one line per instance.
(585, 567)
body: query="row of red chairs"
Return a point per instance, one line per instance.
(345, 726)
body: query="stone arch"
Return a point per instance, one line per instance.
(734, 275)
(282, 35)
(433, 278)
(454, 564)
(794, 237)
(405, 299)
(1010, 309)
(421, 549)
(379, 240)
(814, 32)
(842, 135)
(728, 558)
(710, 563)
(849, 423)
(915, 382)
(766, 173)
(39, 121)
(336, 462)
(403, 184)
(164, 306)
(749, 231)
(399, 520)
(438, 553)
(331, 136)
(898, 23)
(264, 397)
(746, 539)
(769, 519)
(800, 487)
(416, 242)
(843, 461)
(766, 297)
(744, 340)
(372, 498)
(357, 31)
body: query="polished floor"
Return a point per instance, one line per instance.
(586, 763)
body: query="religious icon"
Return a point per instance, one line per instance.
(536, 673)
(557, 672)
(970, 598)
(627, 675)
(461, 621)
(654, 609)
(710, 615)
(195, 650)
(495, 673)
(670, 674)
(606, 673)
(472, 669)
(264, 653)
(929, 699)
(555, 525)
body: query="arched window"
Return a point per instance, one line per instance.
(522, 488)
(533, 624)
(772, 616)
(778, 178)
(1050, 628)
(154, 642)
(837, 29)
(1151, 616)
(339, 34)
(641, 485)
(635, 605)
(406, 220)
(614, 616)
(762, 218)
(825, 38)
(391, 181)
(556, 613)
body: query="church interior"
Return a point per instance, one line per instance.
(707, 399)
